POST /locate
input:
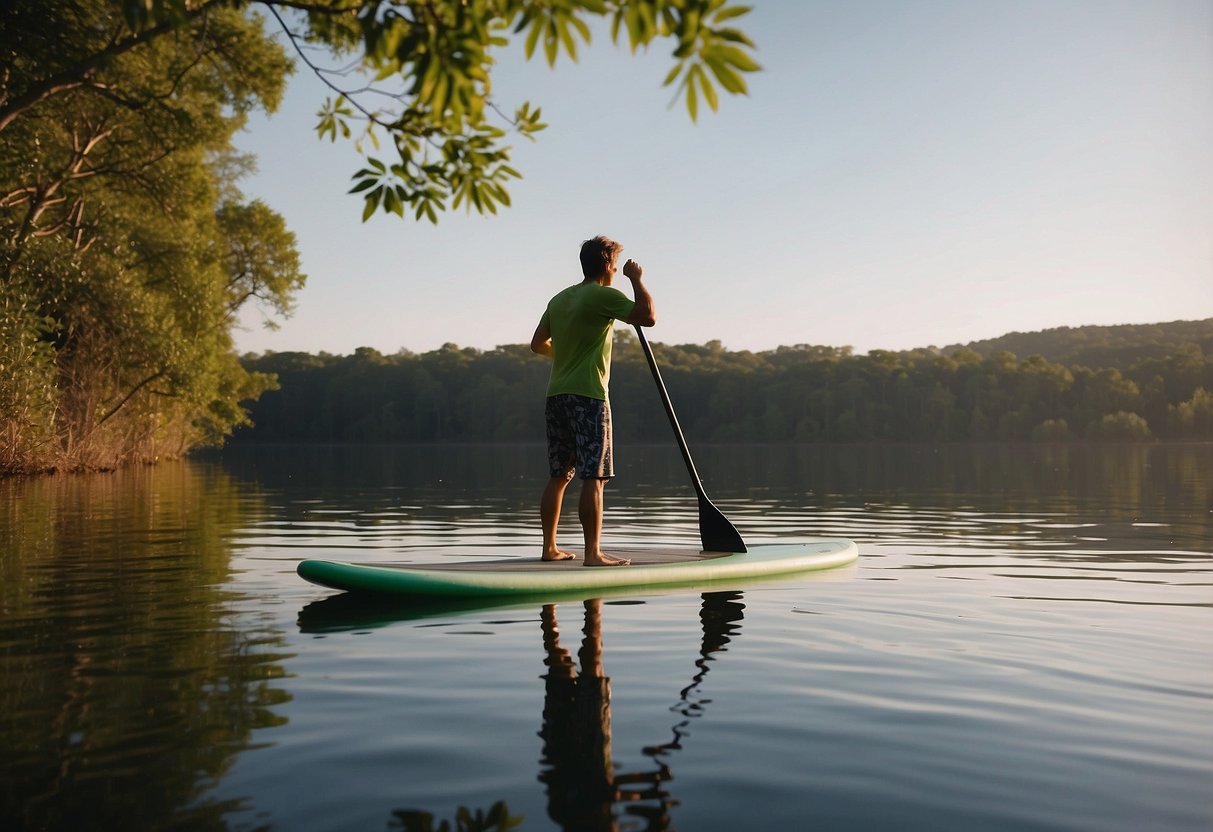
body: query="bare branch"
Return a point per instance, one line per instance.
(321, 73)
(129, 396)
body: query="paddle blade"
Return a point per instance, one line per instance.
(716, 533)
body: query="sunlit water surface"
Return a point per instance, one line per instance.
(1025, 643)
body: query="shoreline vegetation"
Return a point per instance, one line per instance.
(1098, 384)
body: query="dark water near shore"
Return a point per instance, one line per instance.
(1025, 644)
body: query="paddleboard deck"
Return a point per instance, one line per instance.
(650, 567)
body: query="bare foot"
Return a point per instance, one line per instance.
(605, 560)
(559, 554)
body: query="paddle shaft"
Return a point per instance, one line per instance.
(669, 411)
(715, 531)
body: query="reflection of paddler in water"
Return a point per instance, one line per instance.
(577, 726)
(582, 784)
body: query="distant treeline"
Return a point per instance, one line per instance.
(1160, 387)
(1100, 346)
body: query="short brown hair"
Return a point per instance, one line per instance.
(597, 255)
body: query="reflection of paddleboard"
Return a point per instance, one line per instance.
(517, 576)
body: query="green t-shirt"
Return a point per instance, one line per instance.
(580, 319)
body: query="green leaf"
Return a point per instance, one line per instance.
(388, 69)
(690, 23)
(424, 90)
(372, 204)
(392, 203)
(669, 23)
(438, 101)
(635, 26)
(737, 58)
(532, 37)
(673, 74)
(551, 42)
(728, 79)
(731, 12)
(570, 43)
(581, 27)
(705, 84)
(648, 21)
(734, 36)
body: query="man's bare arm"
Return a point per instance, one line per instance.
(541, 341)
(643, 313)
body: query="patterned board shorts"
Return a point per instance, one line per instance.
(579, 437)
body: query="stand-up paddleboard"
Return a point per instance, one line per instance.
(516, 576)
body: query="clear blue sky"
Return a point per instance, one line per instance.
(904, 173)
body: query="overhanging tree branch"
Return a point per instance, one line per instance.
(78, 75)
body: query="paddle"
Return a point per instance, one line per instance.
(715, 531)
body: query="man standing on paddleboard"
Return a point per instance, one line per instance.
(575, 331)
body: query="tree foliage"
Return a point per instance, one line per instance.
(411, 80)
(792, 394)
(128, 250)
(427, 68)
(1116, 346)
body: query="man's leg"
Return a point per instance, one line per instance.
(561, 453)
(549, 516)
(589, 511)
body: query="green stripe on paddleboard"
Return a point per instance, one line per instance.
(762, 560)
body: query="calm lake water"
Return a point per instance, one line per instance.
(1026, 643)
